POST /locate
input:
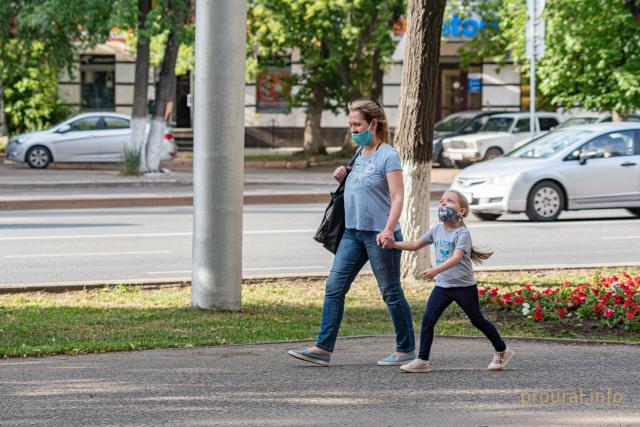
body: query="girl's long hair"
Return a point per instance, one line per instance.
(477, 256)
(372, 110)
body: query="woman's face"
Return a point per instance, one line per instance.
(451, 200)
(358, 124)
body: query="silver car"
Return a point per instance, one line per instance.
(583, 167)
(88, 137)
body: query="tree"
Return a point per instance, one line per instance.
(416, 116)
(589, 62)
(177, 14)
(343, 46)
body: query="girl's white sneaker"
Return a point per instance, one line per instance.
(416, 366)
(500, 360)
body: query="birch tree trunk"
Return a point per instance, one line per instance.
(3, 122)
(313, 143)
(416, 115)
(141, 86)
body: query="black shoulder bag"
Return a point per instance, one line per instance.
(332, 226)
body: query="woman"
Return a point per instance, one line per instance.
(373, 198)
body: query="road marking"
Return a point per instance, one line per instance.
(81, 254)
(620, 237)
(137, 235)
(309, 267)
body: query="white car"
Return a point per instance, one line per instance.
(499, 135)
(589, 118)
(88, 137)
(582, 167)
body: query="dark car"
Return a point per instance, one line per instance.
(461, 123)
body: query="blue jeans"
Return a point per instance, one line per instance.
(356, 247)
(467, 298)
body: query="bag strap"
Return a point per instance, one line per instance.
(351, 162)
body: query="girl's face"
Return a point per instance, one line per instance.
(358, 124)
(451, 200)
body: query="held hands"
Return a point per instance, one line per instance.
(340, 173)
(385, 239)
(429, 274)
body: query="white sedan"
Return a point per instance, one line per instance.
(583, 167)
(88, 137)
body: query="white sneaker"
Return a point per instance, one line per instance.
(416, 366)
(500, 360)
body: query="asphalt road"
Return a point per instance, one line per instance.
(148, 243)
(546, 384)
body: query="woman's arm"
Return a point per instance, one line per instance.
(396, 191)
(431, 273)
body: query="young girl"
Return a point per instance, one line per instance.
(454, 280)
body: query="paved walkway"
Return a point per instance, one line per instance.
(259, 385)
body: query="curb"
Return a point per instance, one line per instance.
(159, 201)
(246, 279)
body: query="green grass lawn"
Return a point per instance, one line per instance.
(128, 318)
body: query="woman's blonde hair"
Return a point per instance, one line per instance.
(477, 256)
(371, 110)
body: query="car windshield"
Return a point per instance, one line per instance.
(575, 121)
(497, 124)
(452, 123)
(549, 144)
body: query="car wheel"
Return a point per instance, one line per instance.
(492, 153)
(486, 216)
(545, 201)
(634, 211)
(38, 157)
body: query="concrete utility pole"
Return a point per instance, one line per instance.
(218, 149)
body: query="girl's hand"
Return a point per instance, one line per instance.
(385, 239)
(429, 274)
(340, 173)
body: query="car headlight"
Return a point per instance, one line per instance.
(18, 140)
(504, 179)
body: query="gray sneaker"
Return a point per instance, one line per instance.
(393, 360)
(500, 360)
(311, 356)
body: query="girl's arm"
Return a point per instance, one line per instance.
(411, 245)
(396, 191)
(431, 273)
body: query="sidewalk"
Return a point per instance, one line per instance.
(24, 188)
(547, 383)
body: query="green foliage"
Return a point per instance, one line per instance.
(131, 163)
(339, 43)
(30, 89)
(591, 60)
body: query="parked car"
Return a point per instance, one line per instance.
(88, 137)
(499, 135)
(582, 167)
(589, 118)
(463, 123)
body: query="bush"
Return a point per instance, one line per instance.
(131, 164)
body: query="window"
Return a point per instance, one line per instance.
(497, 124)
(550, 144)
(97, 82)
(115, 123)
(476, 124)
(523, 125)
(89, 123)
(613, 144)
(546, 123)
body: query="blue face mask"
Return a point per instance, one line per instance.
(447, 214)
(363, 138)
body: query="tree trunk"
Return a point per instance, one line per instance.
(313, 143)
(416, 115)
(3, 122)
(164, 98)
(140, 88)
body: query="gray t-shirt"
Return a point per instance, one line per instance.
(445, 242)
(367, 201)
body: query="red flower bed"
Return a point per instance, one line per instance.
(609, 300)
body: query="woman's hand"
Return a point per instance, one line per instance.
(385, 239)
(340, 173)
(429, 273)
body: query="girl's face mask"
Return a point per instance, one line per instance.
(363, 138)
(447, 214)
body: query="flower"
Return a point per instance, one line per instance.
(538, 313)
(561, 311)
(525, 311)
(608, 313)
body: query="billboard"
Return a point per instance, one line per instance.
(273, 88)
